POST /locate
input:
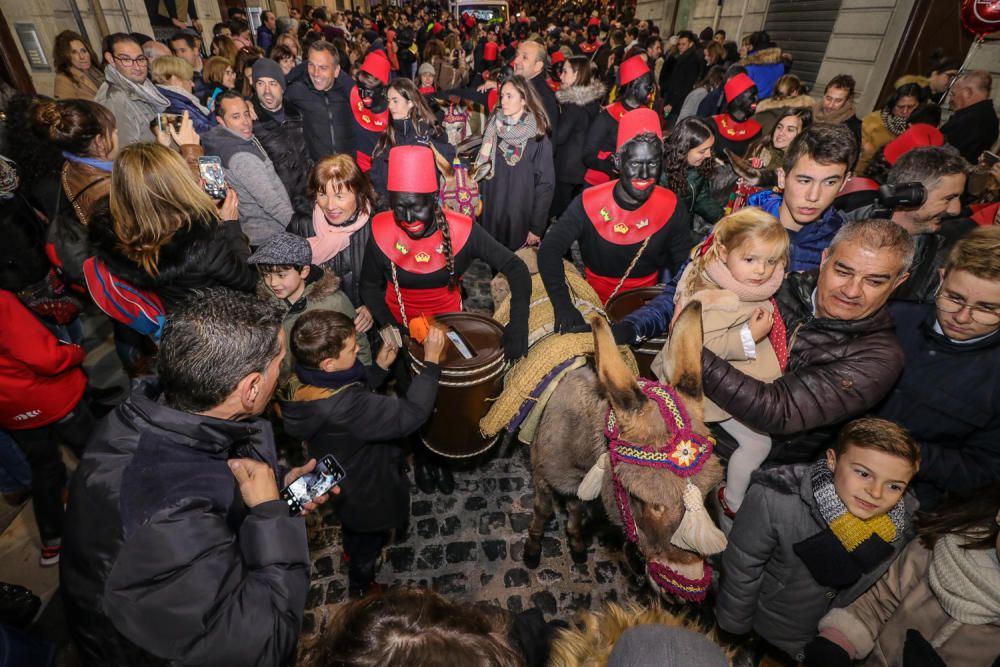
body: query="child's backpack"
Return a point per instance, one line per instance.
(138, 309)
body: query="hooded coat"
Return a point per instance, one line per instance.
(580, 106)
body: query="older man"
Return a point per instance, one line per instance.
(933, 225)
(264, 205)
(949, 394)
(843, 356)
(323, 99)
(973, 127)
(167, 558)
(126, 92)
(278, 129)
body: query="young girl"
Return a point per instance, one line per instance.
(770, 149)
(734, 273)
(939, 603)
(688, 165)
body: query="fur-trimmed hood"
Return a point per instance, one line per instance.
(325, 284)
(768, 56)
(582, 95)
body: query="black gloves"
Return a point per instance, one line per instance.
(918, 652)
(569, 320)
(821, 652)
(515, 341)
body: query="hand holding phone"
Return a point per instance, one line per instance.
(308, 485)
(210, 169)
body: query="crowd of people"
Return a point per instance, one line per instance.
(263, 218)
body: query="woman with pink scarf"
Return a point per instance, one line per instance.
(337, 228)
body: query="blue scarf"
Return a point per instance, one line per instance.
(334, 380)
(103, 165)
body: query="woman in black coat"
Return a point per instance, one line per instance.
(580, 98)
(514, 167)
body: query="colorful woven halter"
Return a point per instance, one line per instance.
(684, 454)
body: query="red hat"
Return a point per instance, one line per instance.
(917, 136)
(632, 69)
(594, 21)
(736, 86)
(436, 28)
(412, 169)
(558, 57)
(490, 51)
(636, 122)
(377, 65)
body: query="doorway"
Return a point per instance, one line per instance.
(12, 69)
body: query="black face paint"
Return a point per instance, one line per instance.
(744, 105)
(374, 97)
(555, 71)
(414, 212)
(639, 164)
(637, 92)
(592, 32)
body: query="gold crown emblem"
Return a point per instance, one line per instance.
(422, 257)
(642, 223)
(401, 247)
(605, 214)
(621, 228)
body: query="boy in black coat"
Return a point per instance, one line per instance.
(331, 404)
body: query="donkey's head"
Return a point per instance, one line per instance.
(661, 463)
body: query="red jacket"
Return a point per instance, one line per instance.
(40, 378)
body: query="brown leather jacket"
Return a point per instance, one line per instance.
(837, 370)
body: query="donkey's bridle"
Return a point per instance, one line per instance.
(684, 454)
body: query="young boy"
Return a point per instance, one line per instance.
(331, 404)
(811, 537)
(284, 265)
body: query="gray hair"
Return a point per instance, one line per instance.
(211, 342)
(878, 234)
(979, 79)
(927, 165)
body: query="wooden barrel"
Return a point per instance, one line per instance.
(627, 302)
(467, 384)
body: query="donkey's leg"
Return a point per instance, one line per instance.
(544, 507)
(574, 530)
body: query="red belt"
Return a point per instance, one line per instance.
(427, 301)
(604, 285)
(595, 177)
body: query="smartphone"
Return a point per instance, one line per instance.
(990, 158)
(165, 120)
(327, 474)
(210, 168)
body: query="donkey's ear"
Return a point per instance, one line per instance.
(684, 355)
(614, 377)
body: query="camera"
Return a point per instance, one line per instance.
(902, 195)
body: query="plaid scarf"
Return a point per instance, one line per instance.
(507, 138)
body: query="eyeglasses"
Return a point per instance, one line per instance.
(979, 315)
(128, 62)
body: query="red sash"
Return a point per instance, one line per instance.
(621, 227)
(734, 131)
(421, 255)
(427, 301)
(604, 285)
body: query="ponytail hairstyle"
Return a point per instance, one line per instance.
(425, 123)
(973, 517)
(72, 125)
(734, 230)
(687, 135)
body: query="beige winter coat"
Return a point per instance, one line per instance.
(876, 623)
(723, 316)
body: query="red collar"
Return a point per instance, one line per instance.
(621, 227)
(421, 255)
(616, 110)
(366, 118)
(589, 48)
(730, 129)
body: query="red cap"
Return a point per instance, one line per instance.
(917, 136)
(736, 86)
(436, 28)
(490, 51)
(632, 69)
(558, 57)
(377, 65)
(412, 169)
(636, 122)
(594, 21)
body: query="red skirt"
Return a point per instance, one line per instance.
(427, 301)
(604, 286)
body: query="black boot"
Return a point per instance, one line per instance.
(446, 480)
(425, 474)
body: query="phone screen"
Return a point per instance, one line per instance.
(327, 474)
(990, 158)
(210, 168)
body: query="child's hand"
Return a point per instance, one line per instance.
(760, 324)
(434, 345)
(386, 355)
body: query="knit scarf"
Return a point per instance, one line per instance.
(849, 547)
(333, 380)
(894, 124)
(720, 274)
(329, 239)
(507, 138)
(835, 117)
(966, 581)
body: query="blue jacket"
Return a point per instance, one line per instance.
(765, 68)
(807, 246)
(179, 104)
(948, 397)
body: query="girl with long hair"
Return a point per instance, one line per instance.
(770, 149)
(688, 165)
(514, 167)
(79, 72)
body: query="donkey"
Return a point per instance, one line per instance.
(661, 510)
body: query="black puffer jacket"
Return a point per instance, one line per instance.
(326, 115)
(163, 563)
(346, 265)
(284, 142)
(207, 255)
(580, 106)
(837, 370)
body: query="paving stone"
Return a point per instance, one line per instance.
(508, 484)
(551, 547)
(545, 601)
(445, 504)
(475, 503)
(515, 604)
(605, 571)
(427, 528)
(450, 526)
(548, 576)
(450, 584)
(575, 601)
(516, 577)
(494, 549)
(431, 557)
(491, 522)
(461, 552)
(519, 521)
(400, 558)
(336, 591)
(421, 508)
(315, 596)
(322, 567)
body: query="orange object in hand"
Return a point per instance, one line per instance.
(420, 327)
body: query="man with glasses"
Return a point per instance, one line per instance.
(949, 394)
(127, 93)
